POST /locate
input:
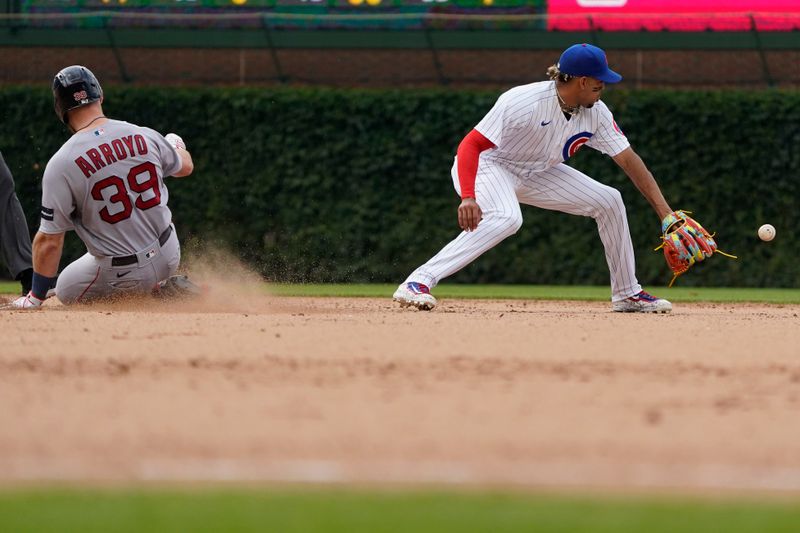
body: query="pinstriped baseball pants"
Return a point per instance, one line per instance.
(499, 194)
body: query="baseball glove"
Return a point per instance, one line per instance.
(685, 242)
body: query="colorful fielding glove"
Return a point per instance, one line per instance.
(685, 242)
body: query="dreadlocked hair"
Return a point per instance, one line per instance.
(554, 74)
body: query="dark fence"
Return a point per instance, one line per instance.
(378, 48)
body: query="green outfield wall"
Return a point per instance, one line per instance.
(355, 186)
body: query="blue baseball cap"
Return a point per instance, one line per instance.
(587, 60)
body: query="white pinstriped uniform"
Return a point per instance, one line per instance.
(533, 138)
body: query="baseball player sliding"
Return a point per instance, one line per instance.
(516, 155)
(107, 183)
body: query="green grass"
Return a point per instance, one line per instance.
(526, 292)
(544, 292)
(350, 511)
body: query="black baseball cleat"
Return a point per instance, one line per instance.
(177, 287)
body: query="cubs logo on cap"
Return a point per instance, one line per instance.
(574, 143)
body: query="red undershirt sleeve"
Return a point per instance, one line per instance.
(469, 152)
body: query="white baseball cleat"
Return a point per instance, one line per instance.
(414, 294)
(26, 303)
(643, 303)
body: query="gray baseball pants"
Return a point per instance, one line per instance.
(93, 278)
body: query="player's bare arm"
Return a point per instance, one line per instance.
(47, 248)
(637, 171)
(188, 165)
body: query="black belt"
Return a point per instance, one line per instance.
(131, 259)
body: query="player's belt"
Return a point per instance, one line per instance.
(131, 259)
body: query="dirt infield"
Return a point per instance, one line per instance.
(355, 390)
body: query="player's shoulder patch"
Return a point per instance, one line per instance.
(574, 143)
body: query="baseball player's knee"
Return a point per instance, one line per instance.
(508, 223)
(67, 297)
(67, 294)
(616, 198)
(71, 285)
(611, 203)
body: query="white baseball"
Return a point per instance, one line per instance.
(766, 232)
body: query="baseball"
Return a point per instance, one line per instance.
(766, 232)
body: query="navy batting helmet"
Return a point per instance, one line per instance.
(74, 87)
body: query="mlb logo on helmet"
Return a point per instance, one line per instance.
(80, 96)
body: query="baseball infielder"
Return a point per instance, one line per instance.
(516, 155)
(107, 183)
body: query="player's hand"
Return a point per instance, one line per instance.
(175, 140)
(469, 214)
(29, 301)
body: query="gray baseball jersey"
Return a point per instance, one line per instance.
(107, 184)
